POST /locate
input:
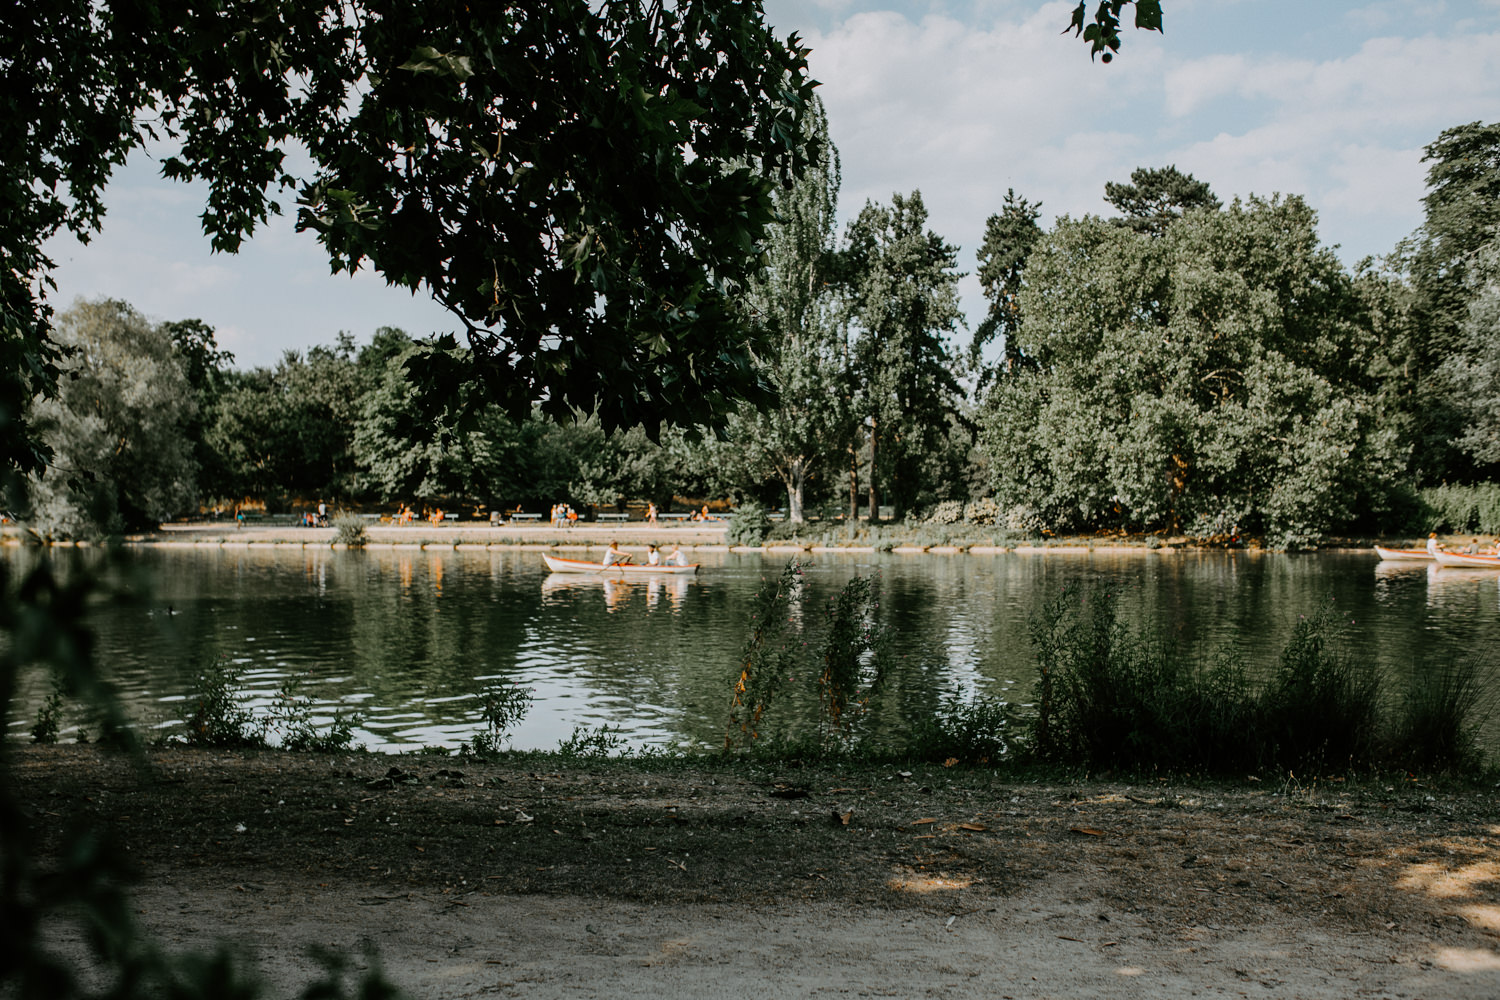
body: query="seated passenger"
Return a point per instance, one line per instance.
(653, 556)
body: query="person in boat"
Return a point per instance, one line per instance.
(677, 557)
(1472, 548)
(1432, 544)
(653, 555)
(614, 557)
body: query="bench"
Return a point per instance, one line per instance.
(673, 517)
(614, 517)
(517, 517)
(450, 517)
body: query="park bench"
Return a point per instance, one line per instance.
(519, 517)
(614, 517)
(673, 517)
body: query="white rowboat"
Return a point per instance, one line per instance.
(558, 565)
(1403, 555)
(1467, 559)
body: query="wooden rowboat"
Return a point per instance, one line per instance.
(1473, 561)
(1403, 555)
(558, 565)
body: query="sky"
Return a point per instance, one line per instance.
(961, 100)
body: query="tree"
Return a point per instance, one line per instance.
(1474, 372)
(793, 301)
(1462, 209)
(1008, 239)
(1154, 199)
(903, 301)
(582, 183)
(116, 427)
(401, 456)
(1220, 375)
(1102, 33)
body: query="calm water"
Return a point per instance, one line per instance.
(408, 637)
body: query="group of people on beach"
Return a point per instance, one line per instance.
(563, 516)
(615, 556)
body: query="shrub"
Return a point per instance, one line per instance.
(983, 511)
(49, 717)
(349, 529)
(966, 732)
(292, 714)
(947, 512)
(587, 742)
(749, 524)
(501, 706)
(218, 719)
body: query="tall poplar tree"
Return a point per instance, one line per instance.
(793, 300)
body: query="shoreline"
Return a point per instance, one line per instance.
(635, 536)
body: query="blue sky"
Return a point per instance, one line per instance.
(960, 100)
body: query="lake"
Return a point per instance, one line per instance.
(409, 637)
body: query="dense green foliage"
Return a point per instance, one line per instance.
(1211, 378)
(1181, 367)
(582, 184)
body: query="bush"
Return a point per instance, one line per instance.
(965, 732)
(218, 719)
(947, 512)
(749, 524)
(501, 706)
(349, 529)
(292, 715)
(983, 511)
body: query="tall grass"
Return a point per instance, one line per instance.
(1437, 725)
(1109, 697)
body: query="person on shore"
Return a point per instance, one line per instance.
(614, 557)
(572, 517)
(651, 513)
(677, 557)
(239, 517)
(653, 555)
(322, 514)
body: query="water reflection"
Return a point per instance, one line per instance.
(410, 637)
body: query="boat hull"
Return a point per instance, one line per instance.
(1403, 555)
(1466, 560)
(559, 565)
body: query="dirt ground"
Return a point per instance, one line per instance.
(542, 877)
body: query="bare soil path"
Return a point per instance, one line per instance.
(542, 878)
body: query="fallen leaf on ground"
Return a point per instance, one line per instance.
(975, 827)
(924, 820)
(1087, 831)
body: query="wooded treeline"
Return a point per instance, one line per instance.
(1179, 366)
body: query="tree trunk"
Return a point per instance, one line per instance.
(874, 503)
(853, 484)
(796, 481)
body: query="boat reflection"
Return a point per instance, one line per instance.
(560, 587)
(1458, 587)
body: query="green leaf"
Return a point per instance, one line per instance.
(426, 59)
(1148, 15)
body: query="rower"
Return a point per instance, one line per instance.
(614, 557)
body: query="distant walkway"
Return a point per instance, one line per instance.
(456, 533)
